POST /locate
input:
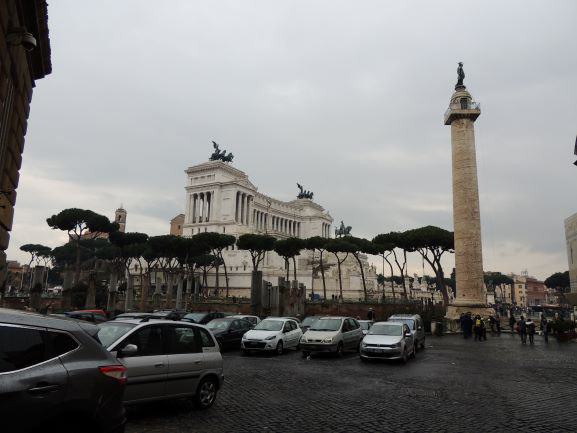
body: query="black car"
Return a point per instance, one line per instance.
(203, 317)
(228, 331)
(55, 375)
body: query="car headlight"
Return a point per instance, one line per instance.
(328, 340)
(272, 337)
(244, 337)
(398, 344)
(363, 344)
(304, 339)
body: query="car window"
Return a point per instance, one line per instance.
(354, 324)
(345, 327)
(246, 324)
(235, 325)
(20, 348)
(293, 325)
(183, 340)
(406, 329)
(287, 327)
(61, 343)
(205, 338)
(149, 341)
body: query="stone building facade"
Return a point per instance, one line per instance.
(220, 198)
(24, 58)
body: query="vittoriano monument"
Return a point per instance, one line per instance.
(470, 290)
(342, 230)
(217, 155)
(304, 193)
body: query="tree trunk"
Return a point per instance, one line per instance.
(179, 287)
(90, 303)
(287, 268)
(216, 280)
(340, 280)
(225, 274)
(323, 276)
(77, 264)
(169, 291)
(129, 294)
(112, 291)
(362, 276)
(144, 285)
(295, 268)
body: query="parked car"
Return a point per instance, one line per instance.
(332, 334)
(308, 321)
(165, 360)
(272, 334)
(95, 316)
(134, 315)
(365, 325)
(415, 324)
(391, 340)
(202, 318)
(169, 314)
(253, 320)
(55, 374)
(229, 331)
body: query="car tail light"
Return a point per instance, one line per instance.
(117, 372)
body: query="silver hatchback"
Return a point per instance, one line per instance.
(165, 360)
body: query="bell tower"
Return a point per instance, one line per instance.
(120, 218)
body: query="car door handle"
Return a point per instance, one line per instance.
(43, 389)
(198, 362)
(159, 365)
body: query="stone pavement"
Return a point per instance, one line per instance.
(454, 385)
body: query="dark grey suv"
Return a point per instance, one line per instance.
(56, 376)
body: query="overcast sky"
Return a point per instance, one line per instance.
(345, 97)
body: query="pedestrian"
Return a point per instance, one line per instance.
(462, 323)
(544, 327)
(498, 324)
(479, 328)
(530, 325)
(523, 330)
(371, 314)
(492, 324)
(512, 322)
(468, 322)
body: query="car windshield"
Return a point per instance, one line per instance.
(386, 329)
(309, 321)
(326, 325)
(365, 326)
(195, 317)
(409, 322)
(218, 324)
(111, 331)
(269, 325)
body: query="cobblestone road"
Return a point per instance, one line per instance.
(454, 385)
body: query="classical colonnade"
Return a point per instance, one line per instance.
(201, 206)
(242, 209)
(326, 230)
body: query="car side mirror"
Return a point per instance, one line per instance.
(128, 350)
(419, 328)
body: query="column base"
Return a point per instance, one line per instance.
(454, 311)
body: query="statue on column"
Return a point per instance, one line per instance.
(217, 155)
(304, 193)
(460, 75)
(342, 230)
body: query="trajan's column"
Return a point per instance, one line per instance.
(470, 290)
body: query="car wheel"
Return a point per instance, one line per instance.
(279, 348)
(340, 349)
(205, 394)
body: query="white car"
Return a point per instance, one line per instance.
(253, 320)
(332, 334)
(390, 340)
(272, 334)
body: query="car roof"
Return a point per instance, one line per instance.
(36, 319)
(242, 315)
(335, 317)
(151, 320)
(404, 316)
(363, 320)
(388, 322)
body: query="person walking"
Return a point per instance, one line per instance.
(530, 325)
(479, 328)
(512, 322)
(523, 330)
(371, 314)
(544, 327)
